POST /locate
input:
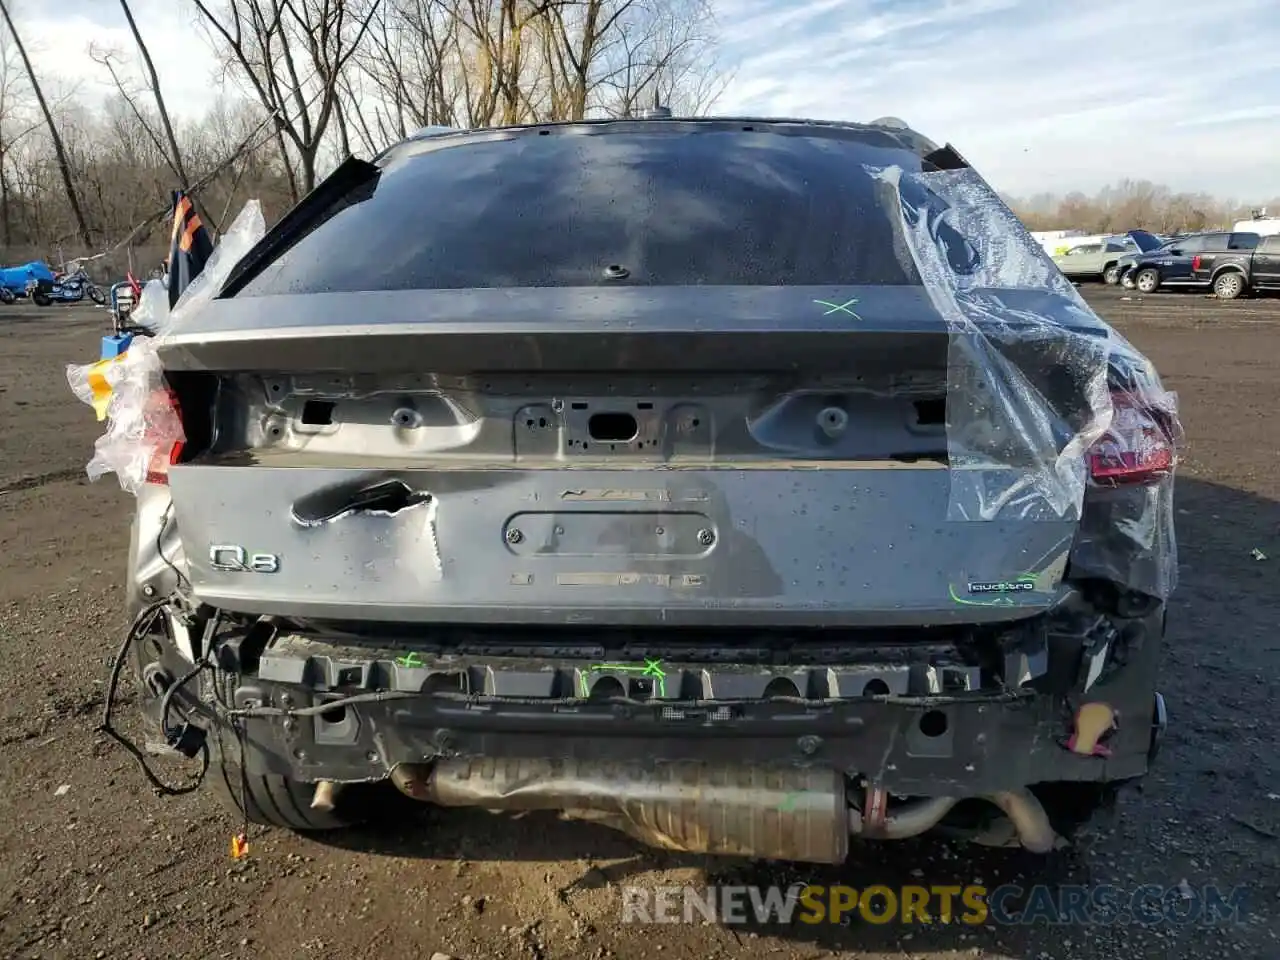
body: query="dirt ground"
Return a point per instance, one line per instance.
(93, 865)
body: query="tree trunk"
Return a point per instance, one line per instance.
(63, 165)
(155, 89)
(6, 213)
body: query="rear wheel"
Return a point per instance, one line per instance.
(97, 296)
(1126, 280)
(1111, 275)
(1148, 280)
(41, 299)
(1229, 285)
(277, 801)
(7, 295)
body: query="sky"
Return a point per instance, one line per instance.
(1039, 95)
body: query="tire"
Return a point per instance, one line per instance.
(1111, 275)
(275, 801)
(1229, 285)
(1126, 281)
(1147, 280)
(41, 299)
(7, 295)
(97, 296)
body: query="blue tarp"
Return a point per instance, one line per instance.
(16, 278)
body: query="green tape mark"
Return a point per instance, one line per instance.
(789, 801)
(839, 308)
(651, 668)
(410, 660)
(997, 602)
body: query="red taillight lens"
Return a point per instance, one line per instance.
(164, 434)
(1138, 448)
(1195, 262)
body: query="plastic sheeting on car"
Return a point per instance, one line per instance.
(1035, 392)
(128, 391)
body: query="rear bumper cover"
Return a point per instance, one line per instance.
(909, 728)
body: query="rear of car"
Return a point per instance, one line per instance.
(673, 474)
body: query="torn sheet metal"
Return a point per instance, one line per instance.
(128, 390)
(1034, 396)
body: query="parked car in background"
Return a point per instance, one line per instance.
(1100, 260)
(1232, 273)
(1172, 264)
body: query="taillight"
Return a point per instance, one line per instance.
(1139, 446)
(1195, 262)
(163, 433)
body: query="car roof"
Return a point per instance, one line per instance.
(885, 131)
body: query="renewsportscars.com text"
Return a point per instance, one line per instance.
(971, 905)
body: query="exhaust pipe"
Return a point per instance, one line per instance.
(909, 820)
(793, 813)
(1027, 815)
(799, 814)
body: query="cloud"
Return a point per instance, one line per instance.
(60, 36)
(1039, 96)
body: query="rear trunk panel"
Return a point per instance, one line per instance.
(832, 545)
(779, 465)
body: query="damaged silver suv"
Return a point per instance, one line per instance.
(752, 486)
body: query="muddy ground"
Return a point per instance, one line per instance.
(92, 864)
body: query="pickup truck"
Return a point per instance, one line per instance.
(1235, 272)
(1099, 259)
(1172, 264)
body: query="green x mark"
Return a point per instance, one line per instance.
(411, 660)
(789, 802)
(839, 308)
(651, 668)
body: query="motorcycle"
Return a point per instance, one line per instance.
(70, 287)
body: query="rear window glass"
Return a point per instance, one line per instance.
(1242, 241)
(632, 208)
(1270, 244)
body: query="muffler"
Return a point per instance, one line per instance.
(790, 813)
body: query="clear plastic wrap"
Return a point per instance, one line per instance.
(1025, 397)
(1040, 391)
(128, 391)
(249, 227)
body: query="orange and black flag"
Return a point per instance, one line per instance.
(189, 248)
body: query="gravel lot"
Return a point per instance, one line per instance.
(92, 865)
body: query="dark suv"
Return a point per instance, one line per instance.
(749, 485)
(1174, 264)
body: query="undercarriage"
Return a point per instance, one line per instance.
(776, 744)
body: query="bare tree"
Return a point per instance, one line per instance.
(292, 54)
(15, 126)
(63, 165)
(413, 64)
(480, 62)
(154, 78)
